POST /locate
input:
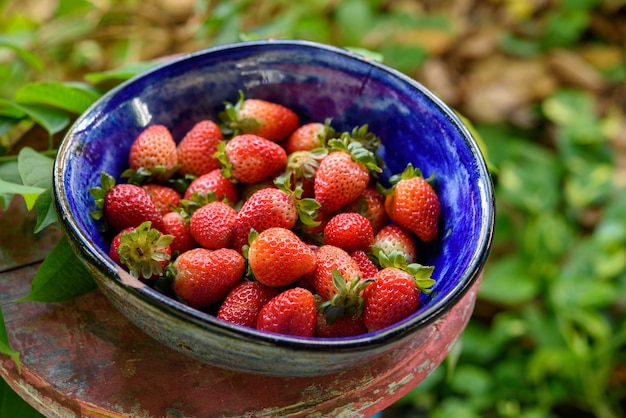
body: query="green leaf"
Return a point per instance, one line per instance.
(29, 193)
(28, 57)
(61, 277)
(35, 168)
(46, 212)
(120, 74)
(51, 119)
(508, 282)
(5, 345)
(12, 405)
(70, 97)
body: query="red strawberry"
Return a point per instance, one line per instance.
(345, 326)
(176, 225)
(212, 225)
(292, 312)
(349, 231)
(196, 151)
(250, 159)
(331, 258)
(213, 182)
(271, 207)
(370, 204)
(244, 302)
(260, 117)
(393, 296)
(124, 205)
(203, 277)
(343, 174)
(154, 150)
(395, 238)
(277, 257)
(142, 251)
(309, 136)
(413, 204)
(165, 198)
(367, 266)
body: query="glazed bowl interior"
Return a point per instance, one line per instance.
(317, 82)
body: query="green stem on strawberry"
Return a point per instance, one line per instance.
(307, 207)
(422, 274)
(142, 251)
(357, 151)
(348, 301)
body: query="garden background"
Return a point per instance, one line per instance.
(543, 83)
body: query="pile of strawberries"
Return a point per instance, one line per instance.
(272, 224)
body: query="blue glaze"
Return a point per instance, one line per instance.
(317, 82)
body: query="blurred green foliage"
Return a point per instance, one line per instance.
(548, 336)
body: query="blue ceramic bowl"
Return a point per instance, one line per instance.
(318, 82)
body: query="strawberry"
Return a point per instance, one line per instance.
(260, 117)
(274, 207)
(412, 203)
(349, 231)
(277, 257)
(142, 251)
(154, 151)
(212, 225)
(166, 198)
(309, 136)
(395, 238)
(331, 258)
(249, 158)
(370, 204)
(343, 174)
(366, 265)
(292, 312)
(392, 297)
(345, 326)
(244, 302)
(175, 224)
(213, 182)
(203, 277)
(124, 205)
(196, 151)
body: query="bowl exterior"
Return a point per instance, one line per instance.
(318, 82)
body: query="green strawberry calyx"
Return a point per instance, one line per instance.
(396, 259)
(408, 173)
(307, 207)
(141, 250)
(348, 301)
(98, 193)
(357, 151)
(231, 122)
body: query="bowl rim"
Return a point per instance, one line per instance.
(99, 258)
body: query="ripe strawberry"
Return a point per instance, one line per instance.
(213, 182)
(260, 117)
(212, 225)
(142, 251)
(344, 326)
(343, 174)
(413, 204)
(249, 158)
(124, 205)
(266, 208)
(395, 238)
(292, 312)
(349, 231)
(176, 225)
(244, 302)
(196, 151)
(367, 266)
(165, 198)
(203, 277)
(392, 296)
(277, 257)
(370, 204)
(309, 136)
(154, 150)
(331, 258)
